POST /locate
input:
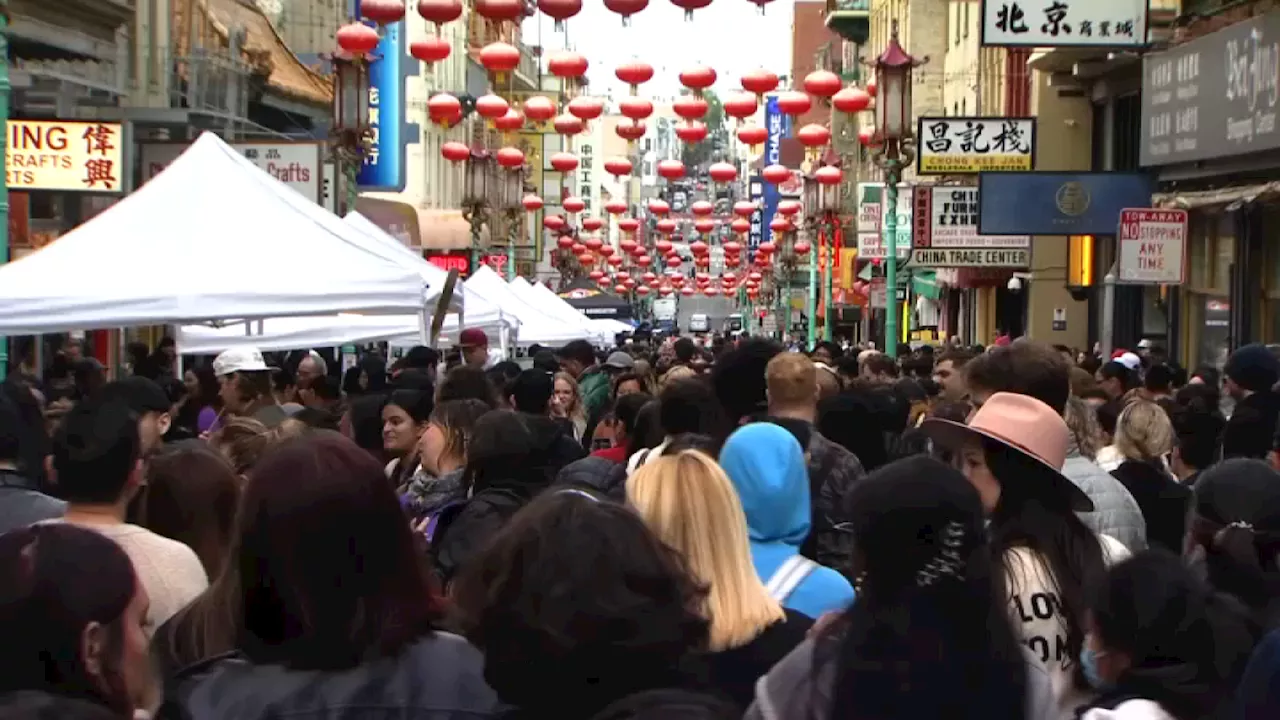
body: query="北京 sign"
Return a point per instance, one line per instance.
(1215, 96)
(1064, 23)
(956, 145)
(296, 164)
(1153, 246)
(946, 232)
(1058, 203)
(872, 207)
(57, 155)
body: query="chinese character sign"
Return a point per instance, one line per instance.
(57, 155)
(966, 145)
(952, 213)
(384, 161)
(294, 164)
(1064, 23)
(872, 209)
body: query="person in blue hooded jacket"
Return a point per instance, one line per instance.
(767, 468)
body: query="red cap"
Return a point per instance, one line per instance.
(1115, 355)
(473, 337)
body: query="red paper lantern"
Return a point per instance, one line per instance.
(573, 204)
(623, 276)
(593, 243)
(644, 261)
(776, 174)
(578, 248)
(560, 10)
(671, 169)
(532, 203)
(618, 167)
(596, 275)
(592, 224)
(704, 225)
(539, 108)
(567, 64)
(499, 57)
(658, 207)
(813, 135)
(642, 291)
(744, 208)
(430, 49)
(586, 108)
(787, 208)
(699, 248)
(510, 121)
(564, 162)
(687, 292)
(722, 172)
(510, 158)
(499, 10)
(491, 106)
(702, 207)
(636, 108)
(633, 73)
(760, 82)
(690, 107)
(699, 77)
(628, 225)
(828, 175)
(626, 8)
(752, 135)
(689, 6)
(851, 100)
(455, 152)
(615, 207)
(630, 131)
(440, 12)
(732, 247)
(780, 225)
(794, 103)
(663, 246)
(702, 277)
(801, 248)
(444, 109)
(740, 225)
(587, 258)
(565, 242)
(382, 12)
(710, 291)
(766, 248)
(666, 226)
(620, 289)
(567, 125)
(357, 39)
(740, 105)
(553, 223)
(867, 136)
(606, 250)
(694, 132)
(615, 260)
(822, 83)
(755, 276)
(871, 87)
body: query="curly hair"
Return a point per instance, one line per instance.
(576, 601)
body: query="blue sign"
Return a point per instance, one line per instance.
(384, 163)
(778, 127)
(1058, 203)
(755, 191)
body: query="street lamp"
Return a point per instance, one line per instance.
(895, 150)
(351, 133)
(821, 205)
(483, 191)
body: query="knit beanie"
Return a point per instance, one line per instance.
(1253, 368)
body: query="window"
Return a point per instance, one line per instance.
(955, 22)
(964, 25)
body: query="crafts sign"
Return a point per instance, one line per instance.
(1153, 246)
(57, 155)
(1064, 23)
(967, 145)
(296, 164)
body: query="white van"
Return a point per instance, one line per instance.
(699, 322)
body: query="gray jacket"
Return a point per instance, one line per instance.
(21, 504)
(791, 692)
(1115, 512)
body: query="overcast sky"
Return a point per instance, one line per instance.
(729, 35)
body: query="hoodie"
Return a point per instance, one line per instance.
(767, 467)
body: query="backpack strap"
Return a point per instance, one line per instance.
(788, 577)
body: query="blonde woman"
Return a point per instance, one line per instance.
(1144, 438)
(690, 504)
(567, 403)
(678, 372)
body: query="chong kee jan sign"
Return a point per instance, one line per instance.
(1064, 23)
(1215, 96)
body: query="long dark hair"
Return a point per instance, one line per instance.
(1043, 522)
(55, 580)
(929, 636)
(189, 413)
(324, 573)
(191, 496)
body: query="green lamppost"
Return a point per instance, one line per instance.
(894, 152)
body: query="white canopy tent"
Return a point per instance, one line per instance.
(536, 326)
(204, 240)
(602, 329)
(558, 310)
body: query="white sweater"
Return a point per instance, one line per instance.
(1130, 710)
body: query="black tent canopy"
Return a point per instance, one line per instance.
(587, 297)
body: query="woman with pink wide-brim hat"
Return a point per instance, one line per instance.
(1012, 450)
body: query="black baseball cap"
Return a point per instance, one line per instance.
(141, 394)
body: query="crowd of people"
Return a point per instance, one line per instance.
(1020, 532)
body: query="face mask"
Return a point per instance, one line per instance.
(1089, 664)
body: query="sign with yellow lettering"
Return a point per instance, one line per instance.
(58, 155)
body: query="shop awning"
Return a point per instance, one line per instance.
(925, 282)
(1232, 198)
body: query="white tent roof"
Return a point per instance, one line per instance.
(434, 277)
(328, 331)
(211, 237)
(549, 303)
(536, 326)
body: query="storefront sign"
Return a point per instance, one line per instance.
(970, 257)
(296, 164)
(755, 186)
(777, 126)
(1215, 96)
(947, 217)
(872, 204)
(57, 155)
(1153, 246)
(384, 163)
(1057, 203)
(956, 145)
(460, 261)
(1064, 23)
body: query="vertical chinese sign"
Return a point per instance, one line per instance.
(383, 168)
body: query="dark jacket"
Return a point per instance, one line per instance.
(669, 704)
(598, 474)
(439, 677)
(1252, 426)
(553, 446)
(21, 504)
(833, 471)
(733, 673)
(1258, 696)
(1164, 502)
(40, 705)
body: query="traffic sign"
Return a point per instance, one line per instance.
(1153, 246)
